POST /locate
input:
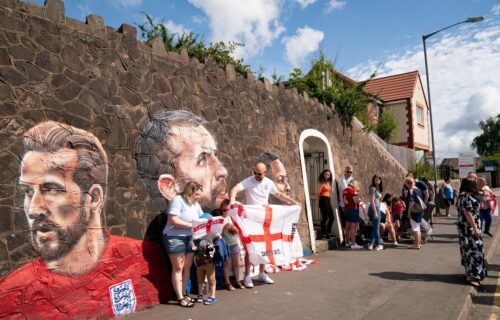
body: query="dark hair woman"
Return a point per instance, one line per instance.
(375, 193)
(323, 192)
(469, 233)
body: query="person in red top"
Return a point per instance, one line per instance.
(83, 271)
(398, 207)
(351, 207)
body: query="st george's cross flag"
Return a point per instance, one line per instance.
(203, 227)
(266, 231)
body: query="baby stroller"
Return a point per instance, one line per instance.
(365, 225)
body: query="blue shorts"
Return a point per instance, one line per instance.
(234, 249)
(396, 217)
(352, 216)
(177, 244)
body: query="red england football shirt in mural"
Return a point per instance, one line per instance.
(130, 275)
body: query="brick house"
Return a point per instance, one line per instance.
(403, 95)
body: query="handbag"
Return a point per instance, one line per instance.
(417, 205)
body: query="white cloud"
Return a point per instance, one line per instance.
(304, 42)
(496, 9)
(255, 23)
(128, 3)
(335, 5)
(465, 86)
(199, 19)
(305, 3)
(179, 29)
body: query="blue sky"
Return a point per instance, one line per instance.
(361, 35)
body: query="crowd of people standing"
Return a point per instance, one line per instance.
(410, 213)
(397, 215)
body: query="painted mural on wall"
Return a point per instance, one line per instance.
(83, 270)
(277, 171)
(174, 148)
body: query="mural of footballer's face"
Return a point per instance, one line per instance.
(198, 162)
(52, 202)
(280, 176)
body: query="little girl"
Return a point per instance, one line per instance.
(231, 236)
(398, 207)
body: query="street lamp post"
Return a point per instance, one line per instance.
(425, 37)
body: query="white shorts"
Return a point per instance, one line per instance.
(415, 226)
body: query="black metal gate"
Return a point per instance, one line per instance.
(315, 164)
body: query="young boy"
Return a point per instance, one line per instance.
(204, 261)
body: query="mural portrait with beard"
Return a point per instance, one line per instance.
(174, 148)
(83, 271)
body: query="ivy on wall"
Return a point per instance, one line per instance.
(220, 52)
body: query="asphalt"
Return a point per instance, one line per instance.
(395, 283)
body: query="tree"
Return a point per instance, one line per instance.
(386, 125)
(324, 83)
(220, 52)
(488, 143)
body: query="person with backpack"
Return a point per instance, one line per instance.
(205, 268)
(415, 211)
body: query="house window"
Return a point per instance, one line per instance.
(420, 115)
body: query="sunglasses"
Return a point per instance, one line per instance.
(259, 173)
(348, 171)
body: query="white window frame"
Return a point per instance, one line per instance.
(420, 115)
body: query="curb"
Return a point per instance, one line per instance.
(489, 251)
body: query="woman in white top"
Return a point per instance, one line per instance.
(178, 237)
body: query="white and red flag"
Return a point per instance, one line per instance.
(266, 231)
(203, 227)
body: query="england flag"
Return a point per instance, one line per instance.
(266, 231)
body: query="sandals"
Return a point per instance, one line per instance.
(186, 302)
(239, 285)
(230, 287)
(415, 247)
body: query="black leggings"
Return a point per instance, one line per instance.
(325, 206)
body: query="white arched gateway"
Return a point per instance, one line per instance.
(315, 156)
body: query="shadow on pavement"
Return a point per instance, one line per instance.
(445, 235)
(446, 278)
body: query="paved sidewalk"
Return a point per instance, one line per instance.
(395, 283)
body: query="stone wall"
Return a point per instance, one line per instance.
(108, 83)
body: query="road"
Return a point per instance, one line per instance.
(395, 283)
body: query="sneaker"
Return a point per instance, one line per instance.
(488, 233)
(348, 245)
(265, 278)
(210, 300)
(379, 247)
(395, 243)
(370, 247)
(381, 241)
(356, 246)
(247, 281)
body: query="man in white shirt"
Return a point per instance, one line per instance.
(257, 189)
